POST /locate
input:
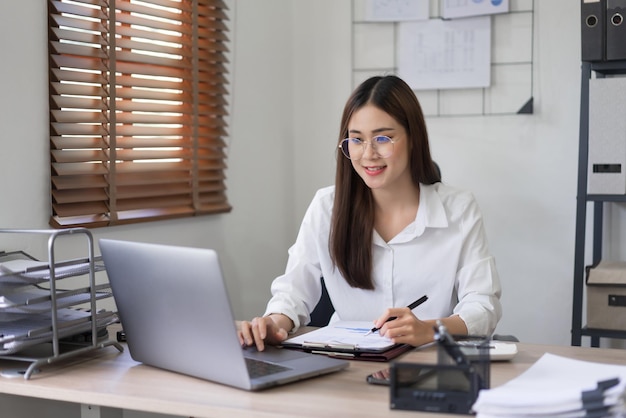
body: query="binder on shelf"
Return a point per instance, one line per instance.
(593, 32)
(607, 136)
(615, 30)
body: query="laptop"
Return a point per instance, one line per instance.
(174, 308)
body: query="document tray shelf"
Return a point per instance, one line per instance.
(40, 322)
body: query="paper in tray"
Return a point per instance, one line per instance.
(20, 330)
(33, 300)
(34, 272)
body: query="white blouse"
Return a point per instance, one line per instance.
(442, 254)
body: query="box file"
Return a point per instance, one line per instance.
(606, 295)
(607, 136)
(615, 29)
(593, 32)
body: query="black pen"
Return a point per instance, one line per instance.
(411, 307)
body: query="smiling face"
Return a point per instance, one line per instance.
(380, 173)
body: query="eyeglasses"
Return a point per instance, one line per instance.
(354, 148)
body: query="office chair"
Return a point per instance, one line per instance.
(323, 310)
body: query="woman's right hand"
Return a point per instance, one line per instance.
(263, 330)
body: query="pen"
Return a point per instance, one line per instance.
(411, 306)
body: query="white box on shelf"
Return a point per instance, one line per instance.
(607, 136)
(606, 296)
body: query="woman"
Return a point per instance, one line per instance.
(387, 233)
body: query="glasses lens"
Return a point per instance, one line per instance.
(383, 145)
(351, 148)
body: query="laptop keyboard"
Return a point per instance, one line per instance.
(258, 368)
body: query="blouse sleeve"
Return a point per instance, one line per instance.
(478, 282)
(297, 291)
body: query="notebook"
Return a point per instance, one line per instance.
(174, 308)
(348, 340)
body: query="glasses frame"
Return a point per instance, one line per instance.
(364, 144)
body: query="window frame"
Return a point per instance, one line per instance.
(138, 107)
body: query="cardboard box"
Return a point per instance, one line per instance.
(606, 296)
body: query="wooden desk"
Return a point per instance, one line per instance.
(108, 378)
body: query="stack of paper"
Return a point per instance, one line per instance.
(558, 387)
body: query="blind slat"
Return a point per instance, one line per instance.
(78, 169)
(131, 57)
(79, 195)
(161, 177)
(128, 19)
(77, 89)
(64, 21)
(130, 81)
(79, 63)
(78, 102)
(155, 202)
(130, 106)
(78, 76)
(76, 129)
(167, 12)
(73, 142)
(78, 10)
(78, 209)
(80, 155)
(75, 49)
(155, 167)
(155, 48)
(79, 182)
(76, 36)
(154, 191)
(77, 117)
(143, 154)
(150, 94)
(134, 32)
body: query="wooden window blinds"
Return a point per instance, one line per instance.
(137, 110)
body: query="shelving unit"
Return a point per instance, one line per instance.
(589, 70)
(42, 323)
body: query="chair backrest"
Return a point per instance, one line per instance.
(323, 310)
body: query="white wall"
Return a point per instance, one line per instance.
(522, 168)
(252, 240)
(291, 64)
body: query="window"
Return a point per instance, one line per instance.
(137, 110)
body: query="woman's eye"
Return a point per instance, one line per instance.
(356, 141)
(382, 139)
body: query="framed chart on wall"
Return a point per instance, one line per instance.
(463, 66)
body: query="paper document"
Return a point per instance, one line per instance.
(343, 335)
(554, 386)
(445, 54)
(451, 9)
(396, 10)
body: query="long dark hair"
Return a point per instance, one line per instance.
(352, 222)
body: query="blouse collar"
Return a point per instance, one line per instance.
(430, 214)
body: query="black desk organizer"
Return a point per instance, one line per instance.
(40, 323)
(451, 385)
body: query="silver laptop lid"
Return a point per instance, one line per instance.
(174, 307)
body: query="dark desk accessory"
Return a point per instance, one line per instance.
(451, 385)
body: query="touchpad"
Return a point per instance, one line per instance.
(274, 354)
